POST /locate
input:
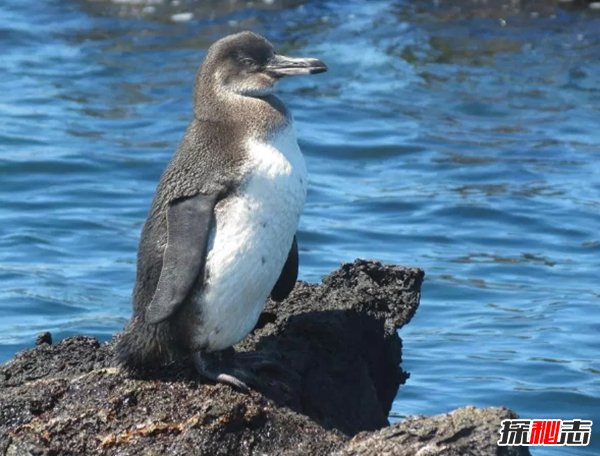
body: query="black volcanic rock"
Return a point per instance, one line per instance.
(338, 354)
(467, 431)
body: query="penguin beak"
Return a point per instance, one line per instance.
(281, 65)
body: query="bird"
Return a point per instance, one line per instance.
(220, 235)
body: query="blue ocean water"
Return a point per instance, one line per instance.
(461, 141)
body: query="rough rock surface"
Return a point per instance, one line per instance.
(339, 354)
(467, 431)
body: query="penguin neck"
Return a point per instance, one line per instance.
(258, 117)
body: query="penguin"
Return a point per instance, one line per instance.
(220, 236)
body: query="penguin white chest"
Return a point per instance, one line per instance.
(251, 240)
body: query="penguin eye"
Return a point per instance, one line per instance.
(247, 61)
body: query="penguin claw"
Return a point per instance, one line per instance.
(235, 382)
(235, 372)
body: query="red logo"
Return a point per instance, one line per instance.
(545, 432)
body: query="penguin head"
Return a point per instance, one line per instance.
(246, 64)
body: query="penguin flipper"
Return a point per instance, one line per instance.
(189, 221)
(287, 279)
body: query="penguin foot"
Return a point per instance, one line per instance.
(256, 361)
(228, 379)
(234, 369)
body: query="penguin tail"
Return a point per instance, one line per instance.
(144, 347)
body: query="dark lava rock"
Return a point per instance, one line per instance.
(467, 431)
(43, 338)
(339, 356)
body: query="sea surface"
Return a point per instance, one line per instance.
(462, 140)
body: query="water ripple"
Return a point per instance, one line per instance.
(441, 137)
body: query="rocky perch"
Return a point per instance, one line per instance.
(340, 352)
